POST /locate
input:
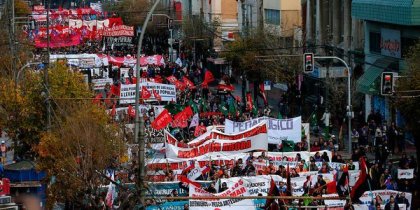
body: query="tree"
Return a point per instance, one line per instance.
(23, 50)
(263, 56)
(198, 33)
(407, 98)
(85, 142)
(132, 12)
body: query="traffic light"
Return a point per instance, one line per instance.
(308, 62)
(387, 83)
(170, 23)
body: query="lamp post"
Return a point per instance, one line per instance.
(349, 108)
(139, 121)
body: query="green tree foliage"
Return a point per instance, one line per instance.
(256, 56)
(408, 98)
(132, 12)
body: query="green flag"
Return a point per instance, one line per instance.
(279, 116)
(232, 108)
(193, 105)
(254, 110)
(313, 121)
(203, 105)
(174, 108)
(307, 200)
(223, 109)
(288, 146)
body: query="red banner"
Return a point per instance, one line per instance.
(58, 41)
(120, 30)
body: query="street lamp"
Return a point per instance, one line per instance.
(349, 108)
(23, 68)
(139, 122)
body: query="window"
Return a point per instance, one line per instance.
(406, 44)
(375, 42)
(272, 16)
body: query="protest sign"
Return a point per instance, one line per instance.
(368, 196)
(278, 129)
(99, 84)
(405, 173)
(128, 92)
(221, 147)
(291, 156)
(175, 205)
(334, 203)
(255, 184)
(237, 190)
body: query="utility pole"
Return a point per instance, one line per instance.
(327, 111)
(47, 89)
(139, 121)
(349, 106)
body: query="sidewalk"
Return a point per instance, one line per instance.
(273, 95)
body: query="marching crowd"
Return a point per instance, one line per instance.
(374, 137)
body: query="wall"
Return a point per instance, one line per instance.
(229, 9)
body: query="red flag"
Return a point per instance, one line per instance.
(249, 104)
(158, 79)
(223, 87)
(332, 187)
(274, 191)
(208, 77)
(361, 184)
(131, 111)
(97, 99)
(199, 130)
(156, 95)
(184, 179)
(113, 111)
(145, 93)
(172, 79)
(188, 82)
(181, 119)
(178, 84)
(115, 90)
(162, 120)
(262, 92)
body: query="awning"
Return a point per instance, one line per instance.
(367, 82)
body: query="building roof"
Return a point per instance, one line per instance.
(400, 12)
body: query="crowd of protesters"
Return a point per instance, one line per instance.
(375, 137)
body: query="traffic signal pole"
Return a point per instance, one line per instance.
(139, 127)
(349, 107)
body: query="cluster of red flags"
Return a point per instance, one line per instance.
(181, 119)
(249, 103)
(162, 120)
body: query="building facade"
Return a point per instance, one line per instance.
(391, 27)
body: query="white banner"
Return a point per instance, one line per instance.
(368, 196)
(128, 92)
(278, 130)
(291, 156)
(221, 147)
(405, 173)
(334, 203)
(166, 91)
(237, 190)
(255, 184)
(99, 84)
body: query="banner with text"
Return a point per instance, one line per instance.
(237, 190)
(278, 130)
(220, 147)
(128, 92)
